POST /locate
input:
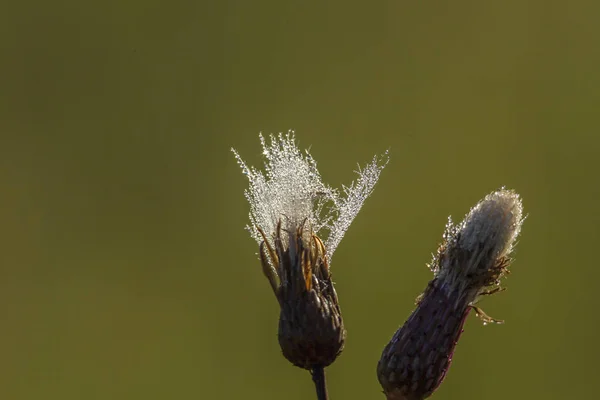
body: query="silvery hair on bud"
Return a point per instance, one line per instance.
(474, 251)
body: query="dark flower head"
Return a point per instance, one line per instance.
(472, 258)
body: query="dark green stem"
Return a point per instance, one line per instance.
(318, 376)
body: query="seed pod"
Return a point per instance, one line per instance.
(311, 329)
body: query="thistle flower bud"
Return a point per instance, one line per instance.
(470, 262)
(290, 210)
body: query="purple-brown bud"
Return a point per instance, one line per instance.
(472, 258)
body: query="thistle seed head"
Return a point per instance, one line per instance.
(290, 210)
(472, 258)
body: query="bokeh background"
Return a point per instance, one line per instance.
(125, 270)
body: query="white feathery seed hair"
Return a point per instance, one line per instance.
(291, 191)
(473, 248)
(494, 224)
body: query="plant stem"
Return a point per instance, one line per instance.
(318, 375)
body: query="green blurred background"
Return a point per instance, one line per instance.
(125, 269)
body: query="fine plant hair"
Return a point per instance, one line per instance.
(291, 190)
(298, 221)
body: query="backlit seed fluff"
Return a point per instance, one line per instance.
(298, 221)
